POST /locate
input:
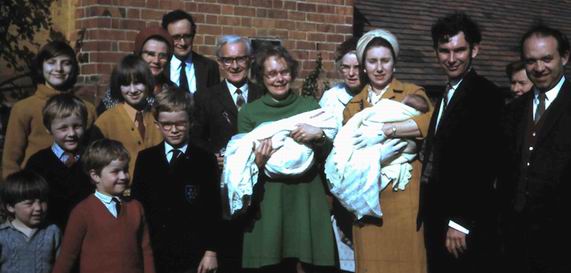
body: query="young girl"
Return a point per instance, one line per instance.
(27, 243)
(56, 72)
(130, 122)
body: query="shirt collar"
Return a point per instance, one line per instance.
(552, 93)
(58, 151)
(169, 148)
(232, 88)
(103, 197)
(175, 62)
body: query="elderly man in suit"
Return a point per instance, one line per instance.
(188, 70)
(456, 200)
(536, 182)
(216, 122)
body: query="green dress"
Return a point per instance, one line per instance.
(294, 219)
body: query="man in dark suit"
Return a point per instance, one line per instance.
(216, 122)
(217, 107)
(188, 70)
(536, 184)
(456, 200)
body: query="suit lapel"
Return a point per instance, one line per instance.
(459, 94)
(223, 96)
(555, 110)
(199, 72)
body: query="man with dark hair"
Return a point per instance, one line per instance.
(535, 182)
(188, 70)
(457, 210)
(519, 82)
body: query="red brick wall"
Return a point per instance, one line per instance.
(305, 28)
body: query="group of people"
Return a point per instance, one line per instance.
(134, 185)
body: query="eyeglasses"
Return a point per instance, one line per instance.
(241, 60)
(180, 125)
(186, 37)
(161, 55)
(274, 74)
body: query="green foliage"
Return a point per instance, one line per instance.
(311, 82)
(20, 20)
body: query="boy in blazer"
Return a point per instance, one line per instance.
(177, 183)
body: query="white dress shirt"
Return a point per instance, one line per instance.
(232, 88)
(169, 149)
(190, 75)
(107, 200)
(550, 95)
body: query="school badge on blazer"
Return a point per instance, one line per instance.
(191, 192)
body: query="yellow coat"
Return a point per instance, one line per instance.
(392, 244)
(26, 133)
(115, 124)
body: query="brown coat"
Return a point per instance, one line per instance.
(392, 244)
(26, 133)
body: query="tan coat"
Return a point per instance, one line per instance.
(115, 124)
(26, 133)
(392, 244)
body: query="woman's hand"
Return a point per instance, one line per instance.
(305, 133)
(263, 152)
(209, 262)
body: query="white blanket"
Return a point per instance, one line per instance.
(355, 176)
(290, 158)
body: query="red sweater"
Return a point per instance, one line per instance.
(104, 243)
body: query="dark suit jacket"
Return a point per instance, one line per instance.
(540, 228)
(180, 203)
(68, 185)
(206, 71)
(216, 116)
(464, 149)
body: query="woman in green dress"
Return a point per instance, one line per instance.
(291, 231)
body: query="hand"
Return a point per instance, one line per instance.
(305, 133)
(391, 148)
(455, 242)
(368, 136)
(263, 152)
(209, 262)
(220, 160)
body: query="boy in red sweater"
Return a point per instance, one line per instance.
(104, 232)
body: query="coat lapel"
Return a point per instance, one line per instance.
(225, 99)
(555, 110)
(200, 71)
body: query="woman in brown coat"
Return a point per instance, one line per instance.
(390, 244)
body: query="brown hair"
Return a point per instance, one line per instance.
(62, 106)
(20, 186)
(173, 100)
(100, 153)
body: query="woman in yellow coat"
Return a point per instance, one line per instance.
(390, 244)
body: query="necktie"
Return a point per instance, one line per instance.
(140, 123)
(175, 154)
(183, 80)
(540, 109)
(240, 99)
(70, 160)
(445, 96)
(117, 205)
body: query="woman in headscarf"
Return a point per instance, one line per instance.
(392, 243)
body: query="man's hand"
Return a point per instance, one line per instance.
(209, 262)
(455, 242)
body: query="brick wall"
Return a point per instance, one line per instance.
(304, 27)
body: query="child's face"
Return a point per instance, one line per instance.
(31, 212)
(56, 70)
(174, 127)
(67, 132)
(134, 93)
(113, 179)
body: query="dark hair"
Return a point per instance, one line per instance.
(453, 24)
(54, 49)
(417, 102)
(23, 185)
(545, 31)
(173, 100)
(62, 106)
(514, 67)
(100, 153)
(268, 50)
(346, 47)
(131, 69)
(177, 15)
(375, 42)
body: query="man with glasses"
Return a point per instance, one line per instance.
(189, 70)
(216, 122)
